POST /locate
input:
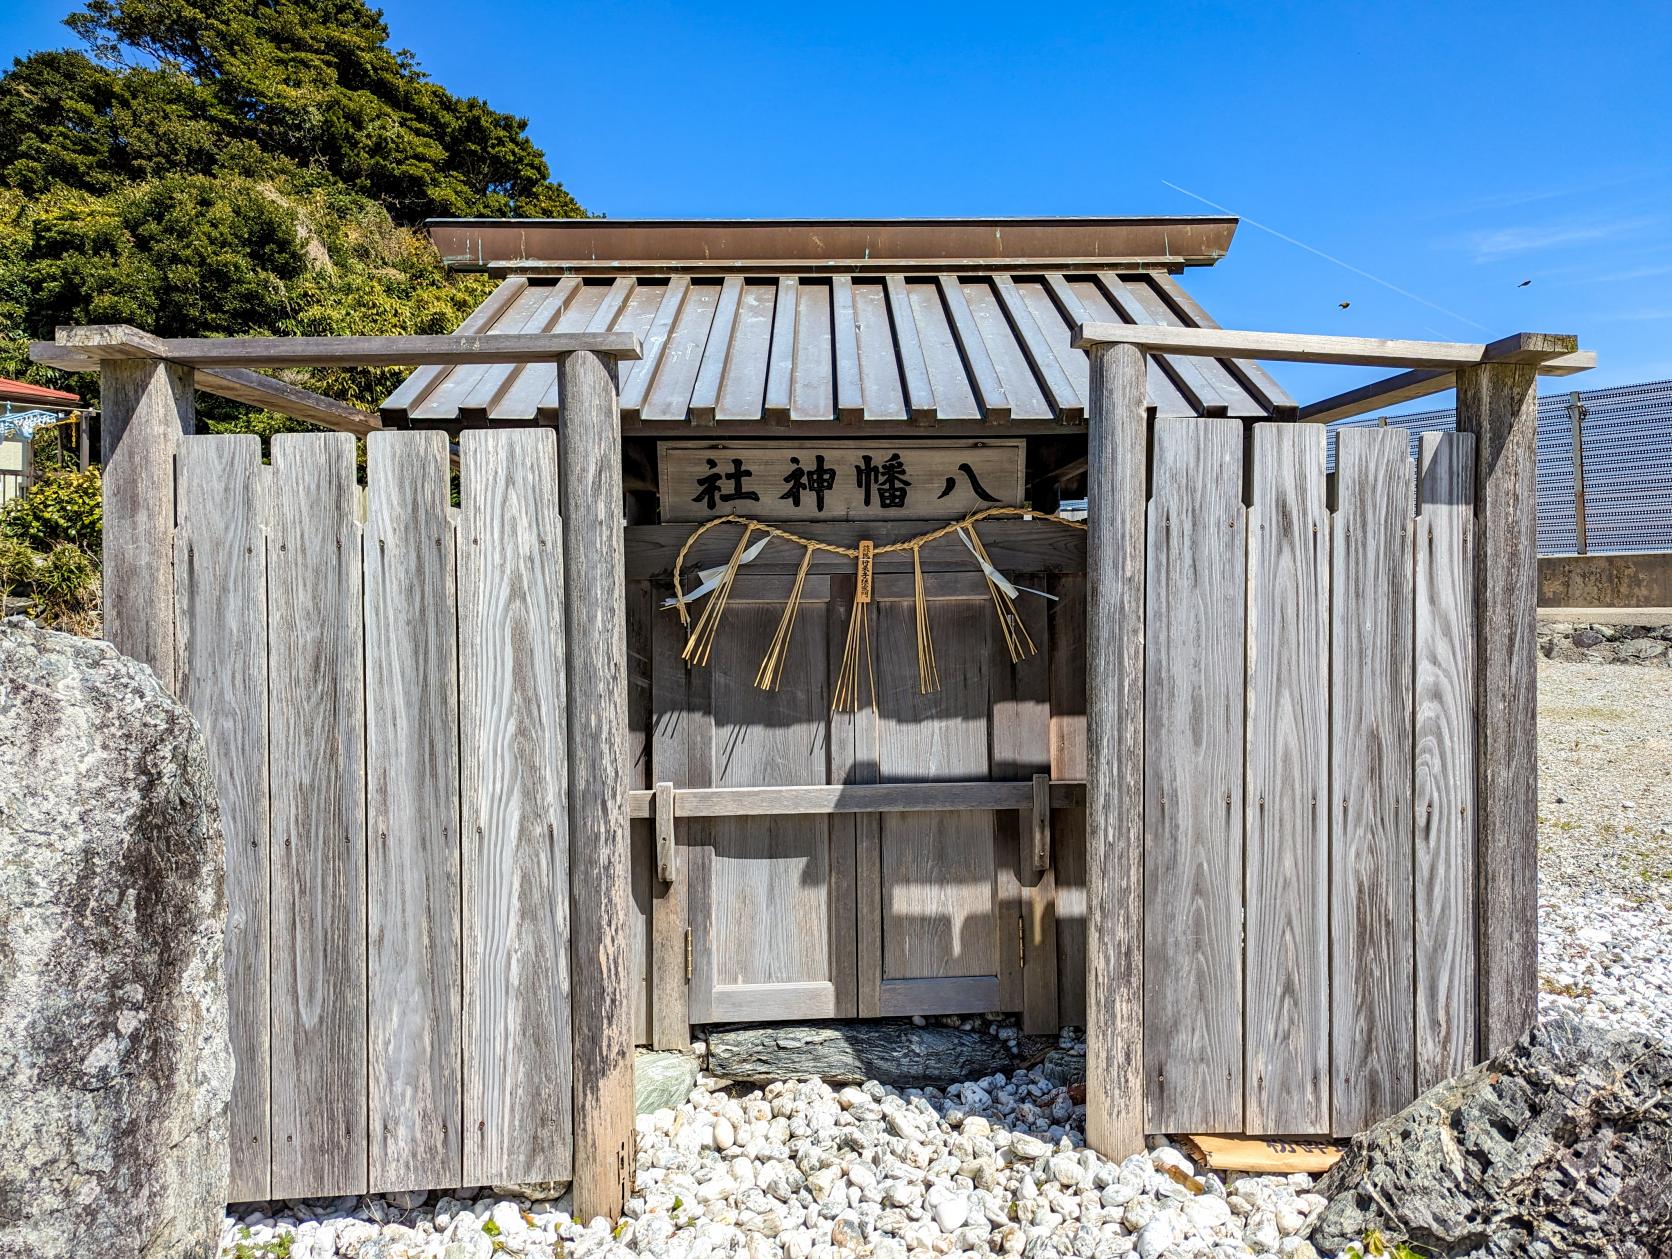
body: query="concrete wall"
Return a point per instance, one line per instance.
(1605, 581)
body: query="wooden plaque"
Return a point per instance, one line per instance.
(825, 480)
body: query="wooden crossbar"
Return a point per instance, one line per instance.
(83, 348)
(1521, 347)
(865, 798)
(1419, 383)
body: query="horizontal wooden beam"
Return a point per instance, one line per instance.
(103, 343)
(865, 798)
(1420, 383)
(79, 348)
(1523, 347)
(1015, 545)
(254, 389)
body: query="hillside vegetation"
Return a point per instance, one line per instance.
(213, 167)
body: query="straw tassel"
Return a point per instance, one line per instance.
(701, 642)
(1016, 636)
(857, 650)
(928, 677)
(771, 673)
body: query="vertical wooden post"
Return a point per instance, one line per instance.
(146, 405)
(1498, 403)
(1576, 416)
(1116, 490)
(595, 624)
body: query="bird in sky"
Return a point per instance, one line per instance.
(1344, 305)
(1523, 284)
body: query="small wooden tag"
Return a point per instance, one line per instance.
(866, 558)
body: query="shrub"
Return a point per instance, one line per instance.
(62, 508)
(61, 588)
(17, 567)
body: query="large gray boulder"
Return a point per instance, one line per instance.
(115, 1066)
(1560, 1146)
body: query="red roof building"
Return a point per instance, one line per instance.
(20, 393)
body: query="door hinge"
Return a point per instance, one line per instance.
(690, 956)
(1021, 943)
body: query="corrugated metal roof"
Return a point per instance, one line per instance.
(742, 350)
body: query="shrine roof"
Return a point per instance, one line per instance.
(754, 326)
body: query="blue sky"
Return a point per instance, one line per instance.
(1452, 151)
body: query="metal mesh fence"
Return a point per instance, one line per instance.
(1626, 441)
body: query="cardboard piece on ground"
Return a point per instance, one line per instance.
(1265, 1155)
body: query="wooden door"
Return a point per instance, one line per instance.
(938, 913)
(771, 898)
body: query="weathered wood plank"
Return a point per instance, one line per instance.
(1115, 485)
(637, 379)
(640, 722)
(1014, 545)
(812, 387)
(937, 337)
(995, 403)
(1420, 383)
(681, 752)
(412, 391)
(780, 367)
(1443, 797)
(221, 631)
(1371, 964)
(705, 393)
(415, 1103)
(1499, 405)
(881, 361)
(768, 920)
(1298, 347)
(1195, 587)
(1068, 822)
(513, 790)
(144, 409)
(743, 392)
(855, 763)
(664, 832)
(594, 624)
(844, 336)
(317, 750)
(914, 369)
(1286, 800)
(1020, 740)
(370, 351)
(840, 799)
(938, 871)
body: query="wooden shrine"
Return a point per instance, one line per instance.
(837, 620)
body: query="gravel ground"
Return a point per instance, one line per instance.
(997, 1166)
(804, 1171)
(1605, 843)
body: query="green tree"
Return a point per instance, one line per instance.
(225, 167)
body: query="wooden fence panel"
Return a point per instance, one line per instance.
(1286, 892)
(1195, 587)
(221, 636)
(1371, 972)
(1443, 798)
(318, 818)
(412, 800)
(514, 813)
